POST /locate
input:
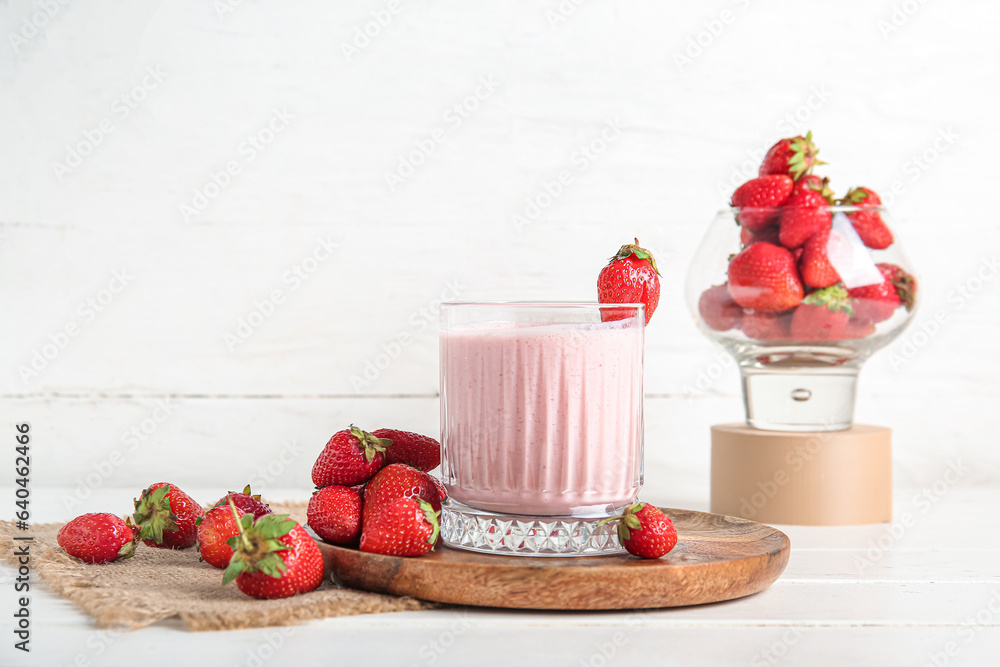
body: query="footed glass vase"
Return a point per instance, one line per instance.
(801, 317)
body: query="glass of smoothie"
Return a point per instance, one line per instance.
(541, 425)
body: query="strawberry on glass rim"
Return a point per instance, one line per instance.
(631, 276)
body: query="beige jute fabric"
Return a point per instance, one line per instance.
(156, 584)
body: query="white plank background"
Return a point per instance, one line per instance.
(167, 100)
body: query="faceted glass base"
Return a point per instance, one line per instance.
(464, 527)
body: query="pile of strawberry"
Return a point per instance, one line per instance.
(782, 285)
(374, 492)
(270, 555)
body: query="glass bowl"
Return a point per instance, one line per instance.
(799, 353)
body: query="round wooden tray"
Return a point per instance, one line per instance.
(716, 558)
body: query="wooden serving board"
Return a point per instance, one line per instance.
(716, 558)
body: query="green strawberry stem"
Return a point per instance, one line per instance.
(369, 443)
(635, 249)
(432, 518)
(242, 534)
(127, 550)
(834, 297)
(246, 491)
(906, 288)
(256, 545)
(152, 514)
(628, 519)
(803, 151)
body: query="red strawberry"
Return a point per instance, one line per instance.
(420, 451)
(360, 490)
(816, 183)
(802, 216)
(246, 501)
(795, 157)
(645, 531)
(405, 527)
(877, 303)
(815, 266)
(857, 329)
(630, 277)
(335, 514)
(766, 325)
(868, 223)
(97, 538)
(758, 200)
(442, 492)
(399, 481)
(351, 457)
(214, 532)
(718, 310)
(273, 557)
(167, 517)
(764, 277)
(767, 234)
(823, 315)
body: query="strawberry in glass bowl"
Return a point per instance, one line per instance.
(801, 288)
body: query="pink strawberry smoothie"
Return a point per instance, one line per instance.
(543, 419)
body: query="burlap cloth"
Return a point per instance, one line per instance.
(160, 583)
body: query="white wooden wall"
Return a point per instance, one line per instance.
(172, 168)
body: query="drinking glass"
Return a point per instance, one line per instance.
(541, 425)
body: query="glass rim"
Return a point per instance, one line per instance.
(541, 304)
(835, 208)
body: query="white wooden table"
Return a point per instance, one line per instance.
(853, 596)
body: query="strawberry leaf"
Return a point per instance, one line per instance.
(369, 443)
(236, 567)
(432, 518)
